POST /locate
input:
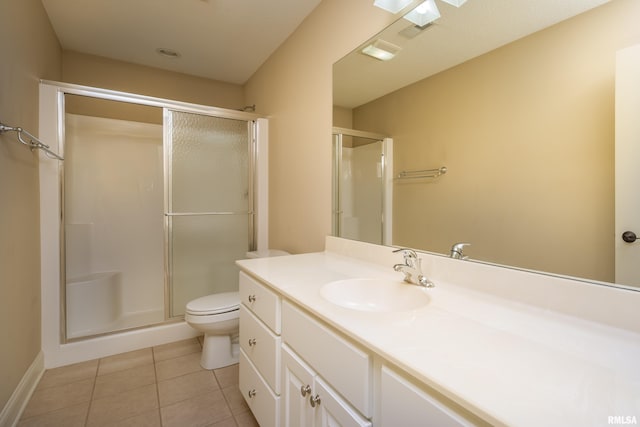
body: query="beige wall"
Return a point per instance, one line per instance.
(342, 117)
(96, 71)
(527, 133)
(30, 51)
(294, 87)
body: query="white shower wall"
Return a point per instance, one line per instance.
(114, 209)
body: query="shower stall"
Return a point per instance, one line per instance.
(362, 186)
(151, 207)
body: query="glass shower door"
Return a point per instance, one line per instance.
(358, 188)
(209, 204)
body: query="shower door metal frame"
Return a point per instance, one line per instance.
(386, 187)
(252, 134)
(56, 126)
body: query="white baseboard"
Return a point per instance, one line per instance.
(12, 411)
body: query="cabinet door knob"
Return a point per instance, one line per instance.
(252, 342)
(251, 393)
(314, 400)
(305, 389)
(252, 298)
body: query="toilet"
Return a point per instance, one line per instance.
(217, 316)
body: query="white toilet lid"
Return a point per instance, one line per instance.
(214, 304)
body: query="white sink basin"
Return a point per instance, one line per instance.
(377, 295)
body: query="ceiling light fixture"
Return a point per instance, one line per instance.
(167, 52)
(381, 50)
(424, 13)
(456, 3)
(393, 6)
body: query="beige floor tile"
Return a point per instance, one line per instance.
(178, 366)
(58, 397)
(129, 389)
(121, 406)
(69, 374)
(229, 422)
(227, 376)
(147, 419)
(72, 416)
(121, 381)
(186, 386)
(176, 349)
(235, 400)
(123, 361)
(246, 419)
(203, 410)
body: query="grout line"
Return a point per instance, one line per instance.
(155, 373)
(93, 389)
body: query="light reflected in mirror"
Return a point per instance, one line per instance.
(526, 129)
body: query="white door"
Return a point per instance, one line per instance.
(627, 165)
(298, 384)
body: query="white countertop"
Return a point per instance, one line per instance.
(508, 362)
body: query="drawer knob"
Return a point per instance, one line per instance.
(314, 400)
(252, 342)
(252, 298)
(251, 393)
(305, 389)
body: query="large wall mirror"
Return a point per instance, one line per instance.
(517, 99)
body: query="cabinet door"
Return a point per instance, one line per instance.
(298, 383)
(332, 411)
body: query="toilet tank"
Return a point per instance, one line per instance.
(266, 253)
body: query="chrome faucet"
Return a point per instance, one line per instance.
(412, 268)
(457, 251)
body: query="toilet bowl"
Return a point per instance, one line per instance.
(217, 316)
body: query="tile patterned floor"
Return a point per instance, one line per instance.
(161, 386)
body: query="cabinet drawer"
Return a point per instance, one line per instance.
(402, 403)
(261, 346)
(346, 367)
(263, 302)
(263, 403)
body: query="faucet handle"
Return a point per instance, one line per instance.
(407, 253)
(457, 250)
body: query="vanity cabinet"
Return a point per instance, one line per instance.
(260, 343)
(297, 371)
(308, 401)
(344, 365)
(313, 356)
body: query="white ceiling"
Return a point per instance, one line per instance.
(226, 40)
(477, 27)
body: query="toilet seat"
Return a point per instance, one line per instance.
(214, 304)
